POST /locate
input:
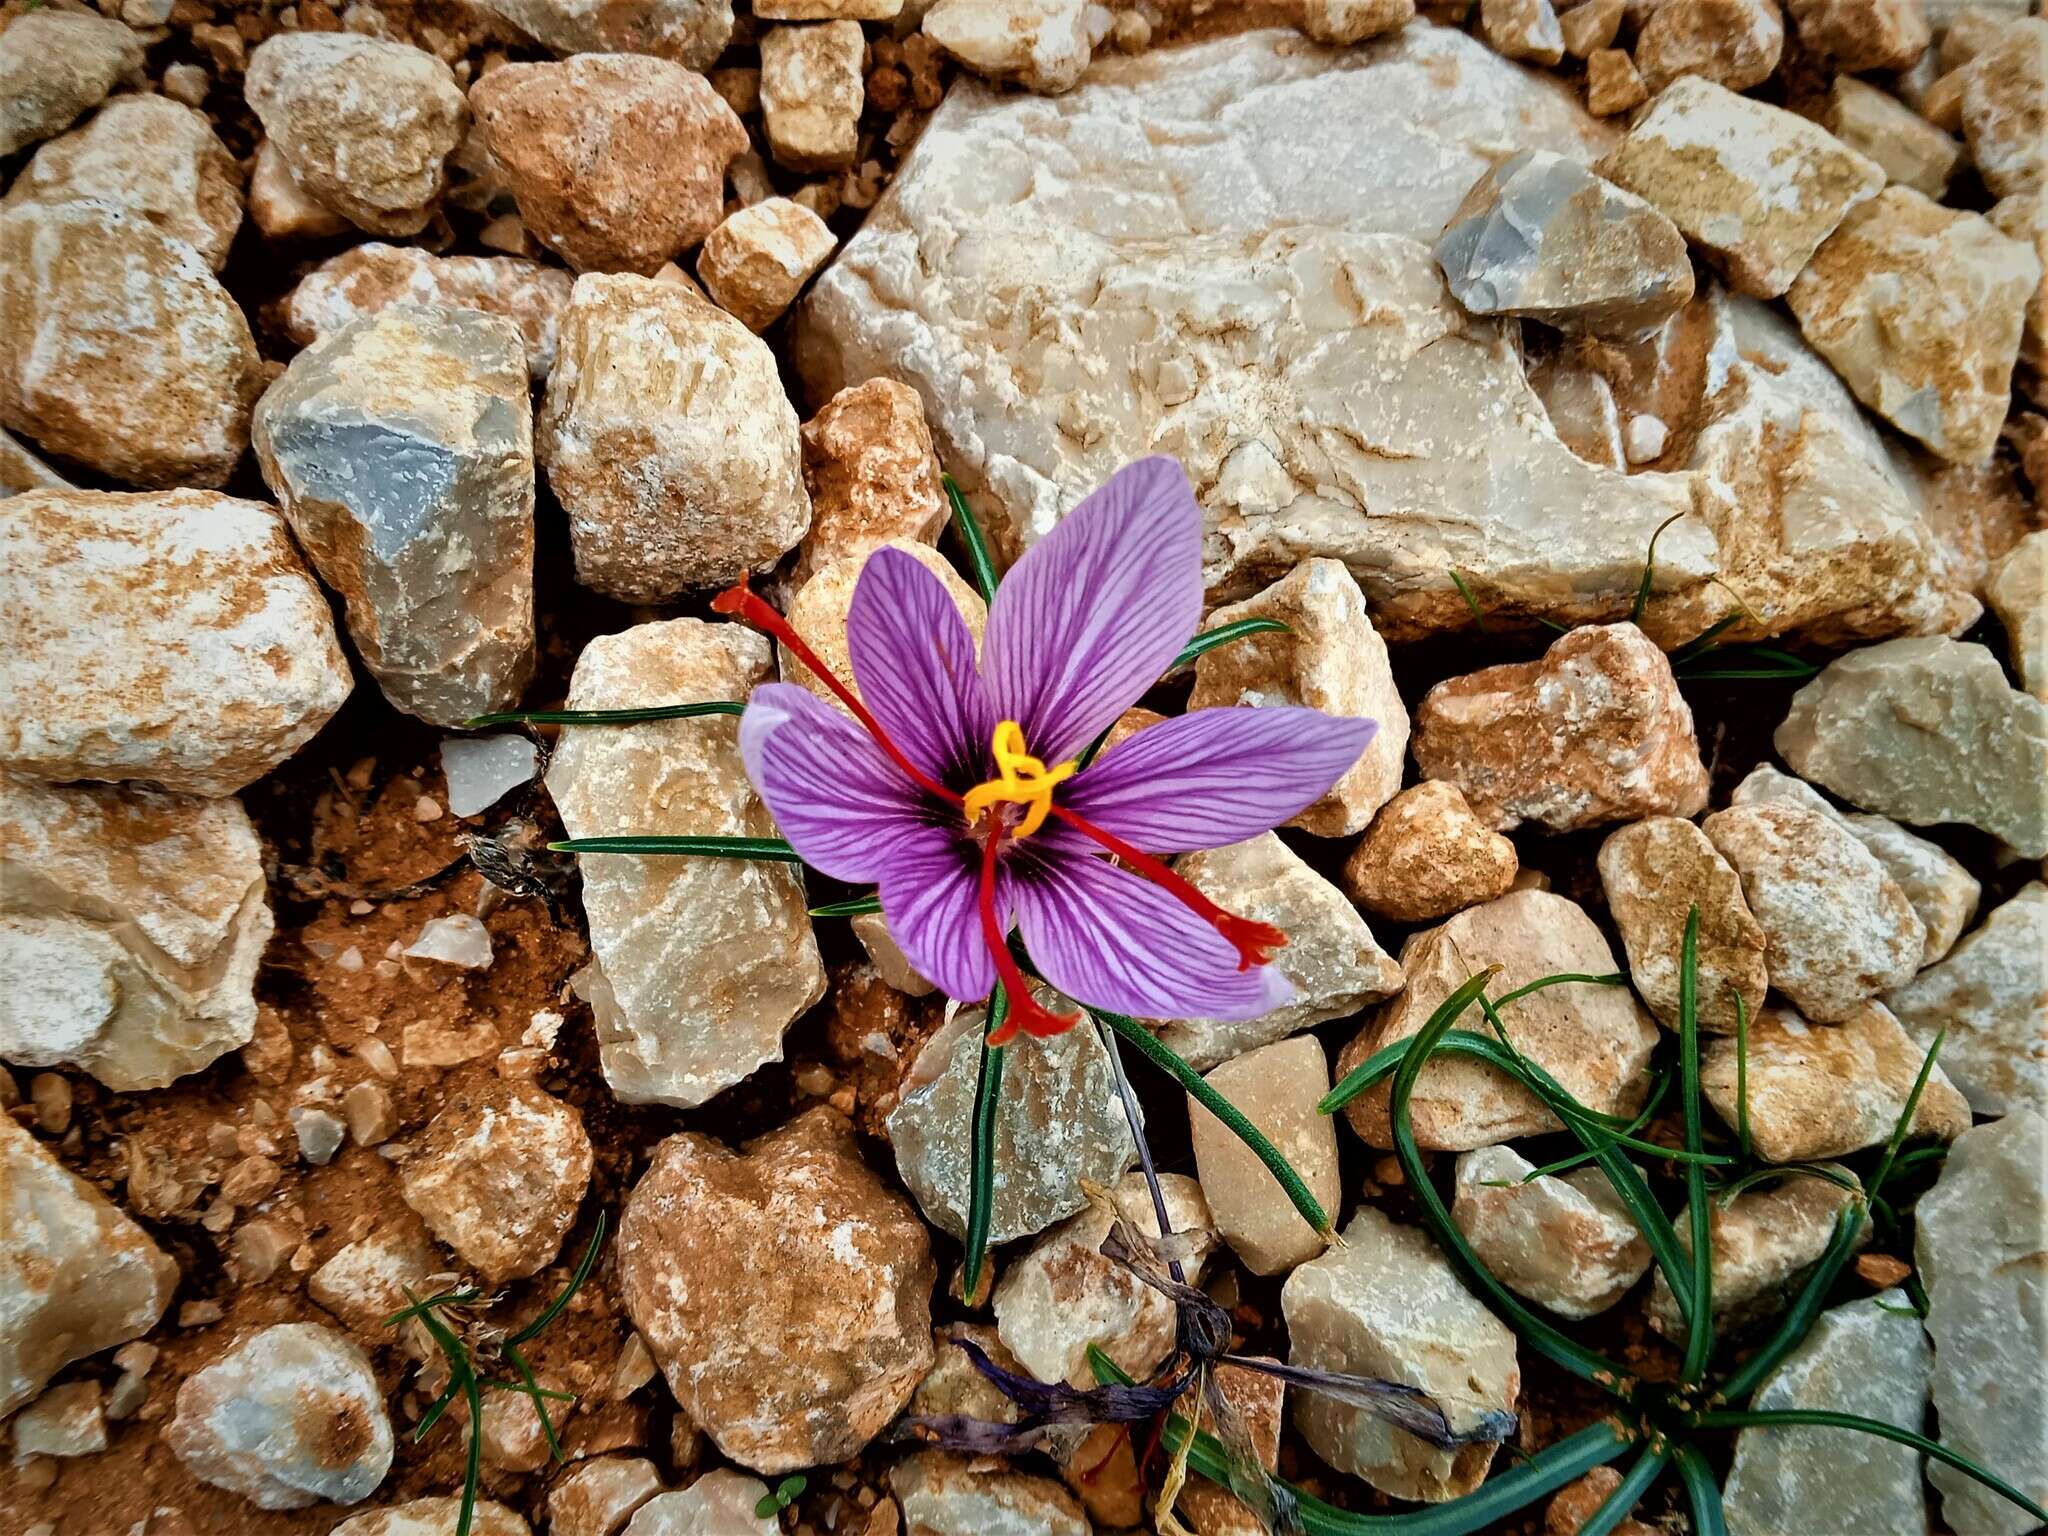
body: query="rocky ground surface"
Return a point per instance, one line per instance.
(364, 370)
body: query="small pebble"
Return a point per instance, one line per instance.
(482, 770)
(458, 940)
(51, 1096)
(320, 1134)
(426, 809)
(1645, 440)
(371, 1119)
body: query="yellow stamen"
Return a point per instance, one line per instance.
(1021, 780)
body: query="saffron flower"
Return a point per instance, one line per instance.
(961, 792)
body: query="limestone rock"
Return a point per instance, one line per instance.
(1340, 23)
(692, 32)
(1732, 43)
(599, 1496)
(70, 1420)
(1335, 963)
(1925, 731)
(118, 348)
(291, 1415)
(131, 926)
(785, 1292)
(1837, 928)
(55, 65)
(280, 206)
(1277, 1087)
(149, 157)
(721, 1501)
(209, 656)
(811, 94)
(1612, 83)
(400, 449)
(499, 1175)
(828, 10)
(1981, 1246)
(1920, 309)
(954, 1385)
(1764, 1242)
(1826, 1090)
(1328, 658)
(1426, 856)
(758, 260)
(1596, 1041)
(1059, 1120)
(1522, 29)
(1858, 36)
(1867, 1357)
(669, 441)
(2024, 216)
(482, 770)
(818, 615)
(1913, 152)
(698, 965)
(76, 1275)
(1042, 45)
(1596, 731)
(1654, 872)
(1566, 1242)
(871, 474)
(365, 1281)
(1758, 187)
(1063, 1295)
(364, 124)
(21, 470)
(1591, 27)
(617, 160)
(2004, 106)
(1991, 995)
(434, 1517)
(942, 1494)
(1541, 236)
(1389, 1304)
(365, 279)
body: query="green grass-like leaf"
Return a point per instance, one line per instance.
(1223, 634)
(605, 716)
(1699, 1333)
(979, 561)
(1703, 642)
(981, 1185)
(1642, 602)
(1702, 1493)
(853, 906)
(581, 1273)
(462, 1378)
(1621, 1503)
(773, 849)
(1472, 603)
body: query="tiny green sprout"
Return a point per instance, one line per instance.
(786, 1493)
(467, 1342)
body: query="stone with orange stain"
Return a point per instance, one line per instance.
(872, 475)
(1426, 856)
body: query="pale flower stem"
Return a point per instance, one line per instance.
(1123, 1088)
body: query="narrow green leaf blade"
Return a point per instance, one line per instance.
(1472, 603)
(1635, 612)
(1223, 634)
(853, 906)
(1699, 1336)
(1701, 1492)
(605, 716)
(770, 848)
(581, 1273)
(1618, 1505)
(981, 1186)
(980, 562)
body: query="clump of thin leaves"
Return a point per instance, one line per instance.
(470, 1348)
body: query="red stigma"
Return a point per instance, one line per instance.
(1026, 1012)
(740, 601)
(1253, 941)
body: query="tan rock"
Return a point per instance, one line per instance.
(871, 473)
(1654, 872)
(617, 160)
(79, 1276)
(943, 1494)
(280, 206)
(364, 124)
(434, 1517)
(1042, 45)
(70, 1420)
(1389, 1304)
(954, 1385)
(1926, 731)
(818, 614)
(1277, 1088)
(1827, 1090)
(1595, 1040)
(668, 440)
(55, 65)
(21, 470)
(886, 956)
(758, 260)
(1426, 856)
(1258, 1400)
(1335, 963)
(1522, 29)
(1913, 152)
(811, 94)
(1566, 1242)
(1612, 83)
(1758, 187)
(209, 654)
(2019, 597)
(1764, 1243)
(365, 1281)
(828, 10)
(498, 1177)
(1341, 23)
(692, 32)
(1591, 27)
(2024, 217)
(149, 157)
(1734, 43)
(1991, 996)
(1967, 30)
(1920, 308)
(1329, 658)
(2004, 106)
(599, 1497)
(119, 349)
(1594, 732)
(1857, 36)
(784, 1291)
(721, 1500)
(368, 278)
(131, 926)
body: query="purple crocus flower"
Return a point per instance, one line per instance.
(959, 793)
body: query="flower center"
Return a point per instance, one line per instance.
(1021, 779)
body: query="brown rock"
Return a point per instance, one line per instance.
(1826, 1090)
(1735, 43)
(942, 1494)
(1577, 1502)
(1340, 23)
(1913, 152)
(1595, 1040)
(280, 206)
(118, 348)
(55, 65)
(617, 160)
(1591, 26)
(1654, 873)
(1861, 35)
(1258, 1400)
(811, 94)
(692, 32)
(872, 475)
(2004, 109)
(784, 1291)
(2024, 217)
(1763, 1244)
(364, 125)
(150, 157)
(1566, 1242)
(498, 1177)
(1426, 856)
(600, 1496)
(1596, 731)
(1612, 83)
(758, 260)
(1522, 29)
(1277, 1087)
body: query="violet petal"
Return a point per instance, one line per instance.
(913, 657)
